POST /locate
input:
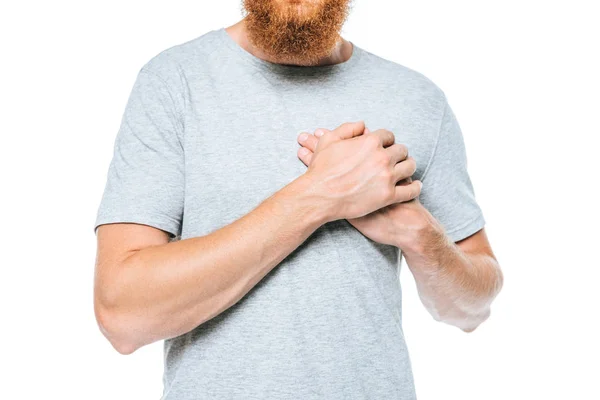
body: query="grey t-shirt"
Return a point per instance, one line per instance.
(209, 131)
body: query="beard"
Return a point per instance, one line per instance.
(295, 31)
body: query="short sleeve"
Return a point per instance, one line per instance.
(145, 180)
(447, 191)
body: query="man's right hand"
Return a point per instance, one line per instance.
(356, 173)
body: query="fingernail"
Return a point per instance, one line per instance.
(303, 137)
(319, 133)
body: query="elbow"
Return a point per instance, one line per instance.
(115, 327)
(499, 281)
(124, 348)
(470, 318)
(470, 324)
(470, 312)
(465, 320)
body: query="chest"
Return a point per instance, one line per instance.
(242, 147)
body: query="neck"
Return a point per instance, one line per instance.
(341, 52)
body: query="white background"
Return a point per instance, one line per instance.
(523, 79)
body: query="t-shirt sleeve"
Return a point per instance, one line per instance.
(447, 191)
(145, 180)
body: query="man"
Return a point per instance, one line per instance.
(267, 257)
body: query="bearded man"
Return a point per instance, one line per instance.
(259, 202)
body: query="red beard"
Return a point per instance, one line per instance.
(295, 32)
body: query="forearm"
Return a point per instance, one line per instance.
(167, 290)
(456, 287)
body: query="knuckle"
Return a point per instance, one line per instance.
(399, 151)
(409, 192)
(371, 140)
(384, 159)
(413, 164)
(325, 137)
(387, 156)
(404, 149)
(387, 175)
(321, 130)
(389, 135)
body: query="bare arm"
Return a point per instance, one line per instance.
(457, 282)
(147, 289)
(164, 290)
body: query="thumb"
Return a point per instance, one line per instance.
(348, 130)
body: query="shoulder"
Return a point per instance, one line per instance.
(408, 83)
(416, 104)
(172, 68)
(175, 63)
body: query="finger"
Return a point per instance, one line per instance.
(367, 130)
(407, 192)
(404, 181)
(347, 130)
(305, 155)
(397, 152)
(405, 168)
(386, 137)
(307, 140)
(320, 131)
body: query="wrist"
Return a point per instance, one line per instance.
(428, 245)
(301, 195)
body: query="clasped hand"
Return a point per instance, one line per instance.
(368, 178)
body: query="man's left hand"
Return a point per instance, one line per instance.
(405, 225)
